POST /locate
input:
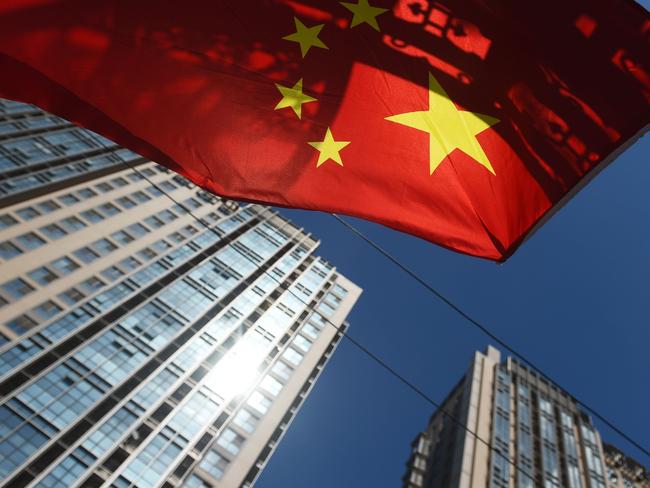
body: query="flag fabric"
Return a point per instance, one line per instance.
(464, 122)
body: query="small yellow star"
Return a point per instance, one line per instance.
(329, 149)
(364, 12)
(293, 97)
(306, 36)
(448, 128)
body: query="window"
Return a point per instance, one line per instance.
(72, 224)
(91, 285)
(259, 402)
(283, 370)
(292, 356)
(137, 230)
(121, 237)
(71, 296)
(112, 273)
(47, 310)
(140, 196)
(21, 324)
(119, 182)
(30, 240)
(68, 199)
(126, 202)
(271, 385)
(86, 255)
(42, 276)
(64, 265)
(109, 209)
(92, 216)
(246, 420)
(48, 206)
(129, 263)
(310, 330)
(214, 464)
(53, 231)
(104, 187)
(231, 441)
(104, 246)
(302, 343)
(86, 193)
(154, 222)
(146, 254)
(28, 213)
(8, 250)
(7, 221)
(17, 288)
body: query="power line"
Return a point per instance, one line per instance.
(483, 328)
(374, 357)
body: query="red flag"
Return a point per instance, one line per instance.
(463, 122)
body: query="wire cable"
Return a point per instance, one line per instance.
(483, 328)
(374, 357)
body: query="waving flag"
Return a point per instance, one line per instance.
(464, 122)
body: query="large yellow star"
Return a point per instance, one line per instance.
(329, 148)
(448, 127)
(293, 97)
(306, 36)
(364, 12)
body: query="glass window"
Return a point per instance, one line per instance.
(64, 265)
(126, 202)
(42, 276)
(28, 213)
(68, 199)
(214, 464)
(53, 231)
(119, 182)
(283, 370)
(246, 420)
(85, 254)
(137, 230)
(86, 193)
(21, 324)
(48, 206)
(271, 385)
(7, 221)
(146, 254)
(30, 240)
(231, 441)
(47, 310)
(292, 356)
(129, 264)
(71, 296)
(259, 402)
(91, 285)
(310, 330)
(302, 343)
(109, 209)
(140, 196)
(121, 237)
(92, 216)
(72, 224)
(104, 187)
(104, 246)
(17, 288)
(8, 250)
(112, 273)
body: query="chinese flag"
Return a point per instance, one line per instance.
(464, 122)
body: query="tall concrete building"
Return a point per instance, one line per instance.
(140, 347)
(623, 471)
(534, 434)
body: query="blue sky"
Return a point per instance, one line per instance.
(575, 299)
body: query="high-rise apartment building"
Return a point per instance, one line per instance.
(623, 471)
(141, 347)
(532, 434)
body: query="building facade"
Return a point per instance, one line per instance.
(623, 471)
(141, 345)
(532, 434)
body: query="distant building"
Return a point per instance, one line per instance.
(623, 471)
(139, 347)
(525, 421)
